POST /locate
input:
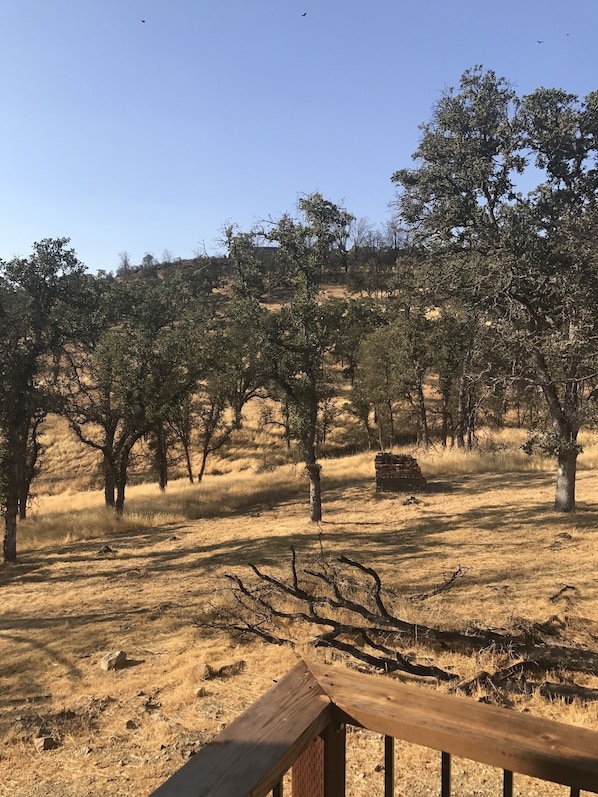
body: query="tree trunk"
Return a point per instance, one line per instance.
(315, 492)
(461, 413)
(425, 434)
(119, 506)
(391, 422)
(445, 415)
(10, 536)
(202, 467)
(472, 412)
(29, 466)
(12, 461)
(121, 475)
(378, 423)
(567, 449)
(564, 500)
(161, 457)
(188, 462)
(109, 483)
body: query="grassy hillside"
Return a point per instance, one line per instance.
(156, 593)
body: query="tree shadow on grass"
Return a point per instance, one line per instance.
(168, 550)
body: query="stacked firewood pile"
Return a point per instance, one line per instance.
(397, 473)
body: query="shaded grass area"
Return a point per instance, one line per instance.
(78, 516)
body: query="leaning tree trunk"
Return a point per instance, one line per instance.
(204, 459)
(188, 464)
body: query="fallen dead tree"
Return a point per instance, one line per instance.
(343, 605)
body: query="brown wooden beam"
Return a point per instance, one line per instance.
(500, 737)
(320, 771)
(251, 755)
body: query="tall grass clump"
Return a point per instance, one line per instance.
(60, 519)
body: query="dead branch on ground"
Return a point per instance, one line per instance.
(343, 605)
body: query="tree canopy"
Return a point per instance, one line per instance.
(525, 257)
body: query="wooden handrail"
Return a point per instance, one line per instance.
(500, 737)
(251, 755)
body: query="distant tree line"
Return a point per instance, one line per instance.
(479, 300)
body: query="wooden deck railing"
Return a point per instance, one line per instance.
(300, 723)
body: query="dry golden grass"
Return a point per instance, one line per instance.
(64, 605)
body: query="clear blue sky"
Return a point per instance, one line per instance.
(150, 136)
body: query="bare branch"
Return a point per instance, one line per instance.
(447, 584)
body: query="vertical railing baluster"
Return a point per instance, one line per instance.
(507, 783)
(574, 791)
(445, 788)
(389, 766)
(277, 790)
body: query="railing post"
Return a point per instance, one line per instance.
(389, 766)
(445, 769)
(335, 759)
(320, 769)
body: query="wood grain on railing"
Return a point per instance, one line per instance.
(503, 738)
(308, 709)
(252, 754)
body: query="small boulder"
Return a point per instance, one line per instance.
(224, 672)
(45, 743)
(114, 661)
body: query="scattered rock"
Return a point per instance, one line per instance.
(560, 539)
(114, 661)
(151, 704)
(105, 549)
(201, 692)
(224, 672)
(411, 500)
(131, 725)
(45, 743)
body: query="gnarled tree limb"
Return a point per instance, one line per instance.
(352, 616)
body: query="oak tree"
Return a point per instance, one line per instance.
(526, 259)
